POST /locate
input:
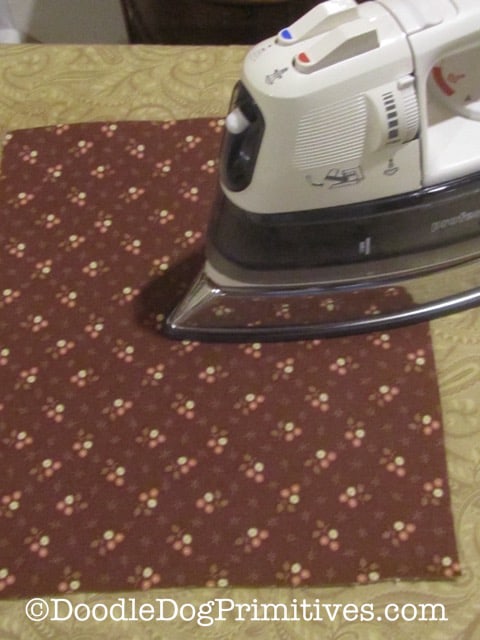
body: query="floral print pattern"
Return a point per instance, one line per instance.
(132, 461)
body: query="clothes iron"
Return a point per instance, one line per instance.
(349, 195)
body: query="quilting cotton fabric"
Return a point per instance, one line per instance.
(131, 461)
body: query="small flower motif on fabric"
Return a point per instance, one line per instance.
(83, 444)
(27, 378)
(78, 197)
(84, 377)
(433, 492)
(320, 461)
(184, 406)
(163, 168)
(124, 351)
(35, 323)
(217, 125)
(42, 270)
(286, 430)
(70, 582)
(343, 365)
(54, 410)
(61, 348)
(108, 542)
(393, 462)
(154, 375)
(46, 469)
(151, 437)
(218, 577)
(18, 439)
(160, 266)
(284, 369)
(16, 248)
(131, 244)
(95, 268)
(38, 542)
(114, 473)
(355, 433)
(181, 541)
(399, 532)
(4, 356)
(222, 311)
(252, 539)
(8, 296)
(249, 403)
(144, 578)
(67, 297)
(188, 238)
(425, 423)
(443, 566)
(184, 347)
(157, 320)
(212, 373)
(253, 469)
(293, 573)
(368, 572)
(126, 295)
(10, 504)
(81, 148)
(289, 499)
(118, 408)
(7, 579)
(211, 501)
(380, 340)
(326, 535)
(74, 241)
(372, 310)
(21, 199)
(147, 502)
(190, 142)
(210, 166)
(181, 467)
(328, 304)
(161, 216)
(354, 496)
(254, 350)
(136, 149)
(101, 171)
(132, 194)
(218, 440)
(109, 129)
(104, 222)
(318, 399)
(283, 311)
(95, 326)
(416, 361)
(384, 395)
(71, 503)
(30, 156)
(54, 173)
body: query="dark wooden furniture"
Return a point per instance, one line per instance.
(209, 21)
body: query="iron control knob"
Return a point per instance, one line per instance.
(396, 113)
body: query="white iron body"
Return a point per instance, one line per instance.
(330, 117)
(370, 111)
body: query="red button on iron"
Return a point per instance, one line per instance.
(302, 57)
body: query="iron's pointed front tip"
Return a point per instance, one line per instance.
(184, 322)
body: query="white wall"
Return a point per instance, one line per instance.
(67, 21)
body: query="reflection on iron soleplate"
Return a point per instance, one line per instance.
(232, 314)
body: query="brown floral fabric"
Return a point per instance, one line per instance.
(129, 460)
